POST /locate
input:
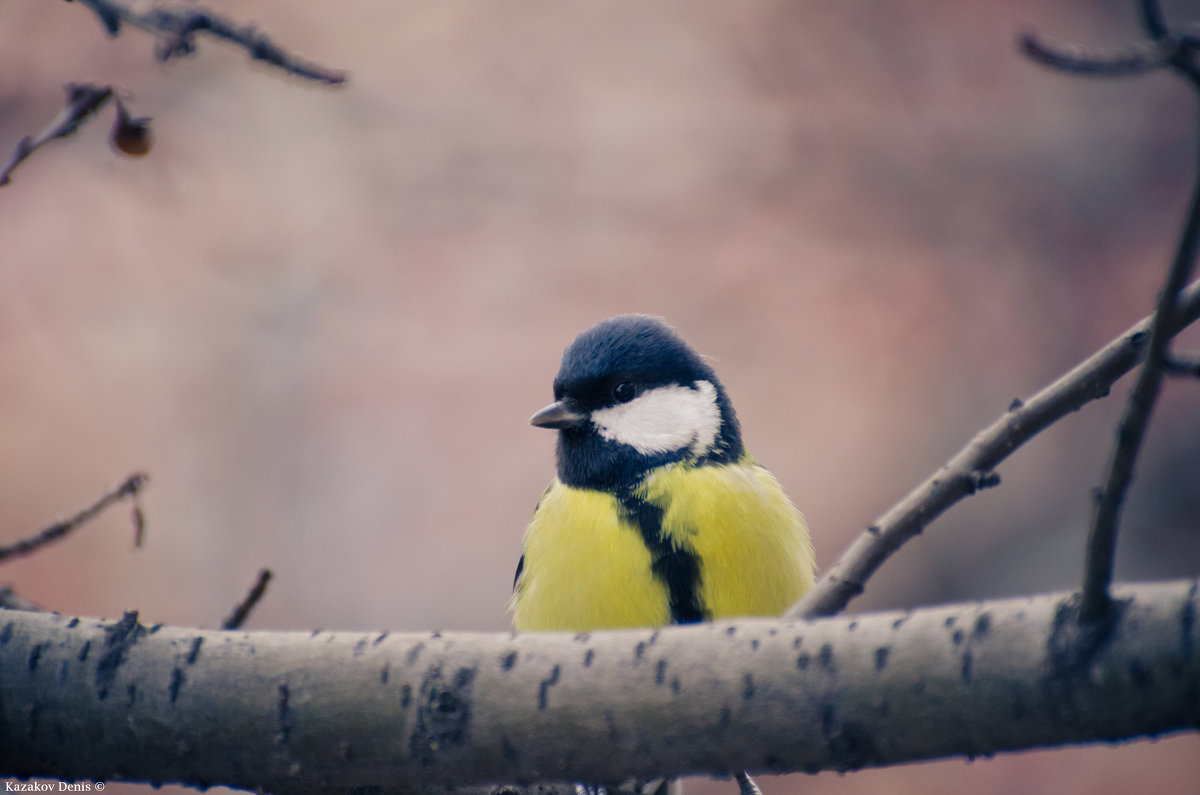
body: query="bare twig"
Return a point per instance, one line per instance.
(176, 30)
(1185, 366)
(1152, 19)
(746, 785)
(240, 613)
(130, 488)
(1178, 52)
(1132, 429)
(1165, 49)
(973, 466)
(82, 101)
(1134, 59)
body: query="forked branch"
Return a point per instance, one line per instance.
(130, 488)
(972, 468)
(1102, 540)
(82, 101)
(175, 30)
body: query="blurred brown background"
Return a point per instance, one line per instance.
(320, 318)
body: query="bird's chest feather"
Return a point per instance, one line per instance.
(586, 567)
(689, 543)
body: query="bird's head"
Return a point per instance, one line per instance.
(630, 396)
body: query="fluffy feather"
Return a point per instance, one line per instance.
(587, 567)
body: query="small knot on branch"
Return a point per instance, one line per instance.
(980, 479)
(133, 484)
(1080, 632)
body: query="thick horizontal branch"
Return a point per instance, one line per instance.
(300, 712)
(972, 467)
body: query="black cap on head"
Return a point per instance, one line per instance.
(640, 352)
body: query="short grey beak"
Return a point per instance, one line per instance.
(557, 415)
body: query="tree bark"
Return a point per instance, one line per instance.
(313, 712)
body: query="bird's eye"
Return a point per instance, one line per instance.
(624, 391)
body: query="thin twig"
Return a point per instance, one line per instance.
(82, 101)
(130, 488)
(176, 29)
(240, 613)
(1102, 540)
(1135, 59)
(746, 785)
(974, 465)
(1164, 49)
(1152, 19)
(1183, 366)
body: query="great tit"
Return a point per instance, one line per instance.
(658, 515)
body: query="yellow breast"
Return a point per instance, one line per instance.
(588, 567)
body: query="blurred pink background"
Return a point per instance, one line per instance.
(321, 318)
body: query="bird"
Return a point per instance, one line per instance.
(657, 515)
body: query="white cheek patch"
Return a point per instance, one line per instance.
(664, 420)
